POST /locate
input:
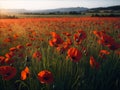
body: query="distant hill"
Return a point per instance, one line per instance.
(107, 8)
(70, 10)
(62, 10)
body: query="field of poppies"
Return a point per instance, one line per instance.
(65, 53)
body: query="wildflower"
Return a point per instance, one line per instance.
(55, 35)
(15, 36)
(40, 39)
(10, 30)
(10, 54)
(114, 46)
(8, 40)
(7, 72)
(7, 55)
(37, 55)
(66, 34)
(9, 60)
(25, 73)
(93, 63)
(34, 33)
(19, 47)
(79, 36)
(106, 40)
(32, 39)
(13, 49)
(74, 54)
(56, 40)
(2, 59)
(98, 33)
(63, 47)
(51, 43)
(68, 41)
(46, 77)
(28, 44)
(103, 53)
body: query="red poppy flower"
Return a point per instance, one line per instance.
(32, 39)
(56, 40)
(62, 48)
(66, 45)
(19, 46)
(10, 54)
(74, 54)
(40, 39)
(28, 44)
(25, 73)
(37, 55)
(98, 33)
(52, 43)
(103, 53)
(54, 35)
(13, 49)
(46, 77)
(93, 63)
(79, 36)
(34, 33)
(8, 40)
(2, 59)
(7, 72)
(106, 40)
(9, 60)
(15, 36)
(7, 55)
(114, 46)
(66, 34)
(68, 41)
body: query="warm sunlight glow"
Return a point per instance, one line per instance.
(49, 4)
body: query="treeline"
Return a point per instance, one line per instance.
(105, 15)
(95, 14)
(8, 16)
(56, 13)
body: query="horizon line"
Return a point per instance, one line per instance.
(60, 7)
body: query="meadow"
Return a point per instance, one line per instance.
(62, 53)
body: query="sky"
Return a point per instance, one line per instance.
(51, 4)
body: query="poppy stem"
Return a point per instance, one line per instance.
(47, 87)
(4, 85)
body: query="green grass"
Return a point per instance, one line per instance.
(67, 74)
